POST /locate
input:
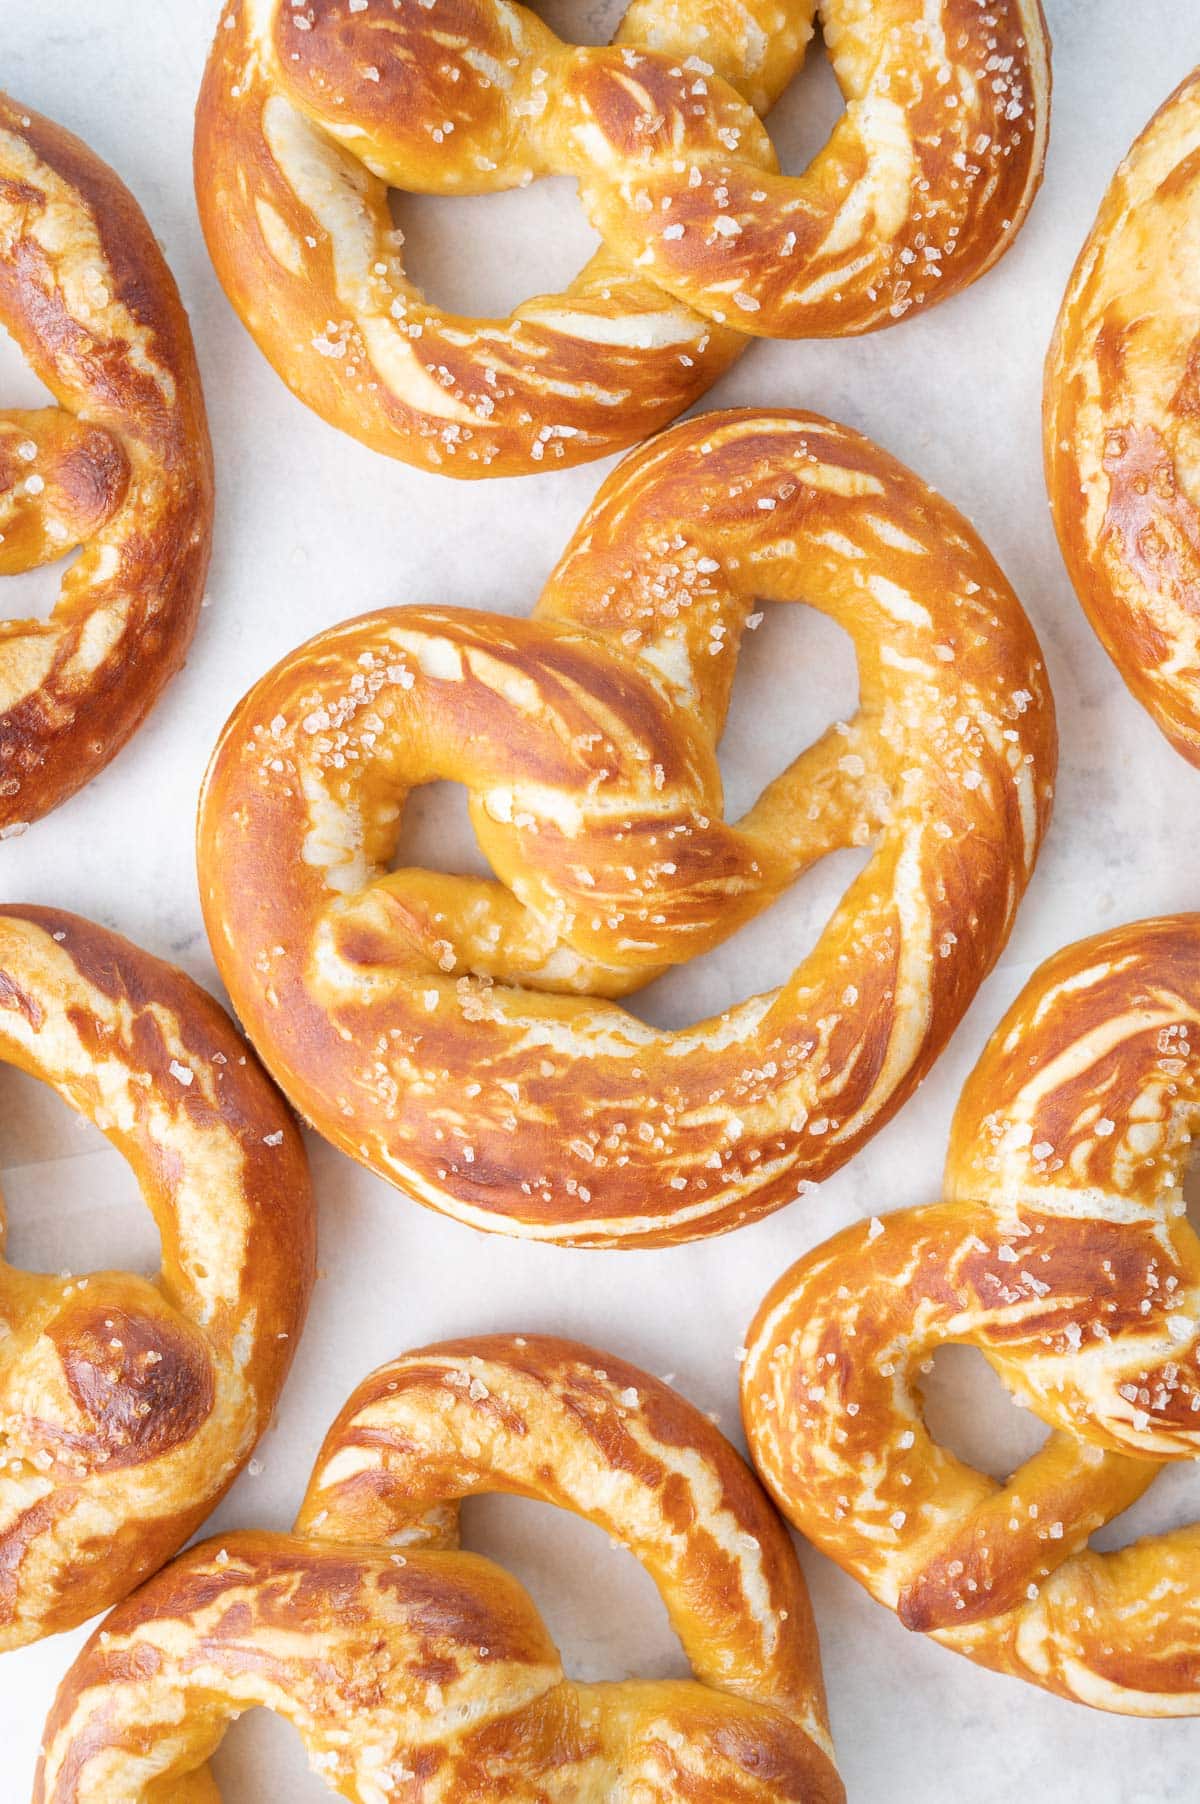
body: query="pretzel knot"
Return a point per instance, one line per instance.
(310, 112)
(1122, 406)
(454, 1034)
(127, 1407)
(427, 1672)
(1062, 1251)
(120, 468)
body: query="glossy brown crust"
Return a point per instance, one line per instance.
(1122, 421)
(309, 113)
(127, 1407)
(427, 1673)
(121, 466)
(457, 1036)
(1064, 1253)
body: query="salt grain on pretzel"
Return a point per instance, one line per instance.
(120, 467)
(1063, 1252)
(457, 1035)
(411, 1668)
(128, 1406)
(309, 112)
(1122, 421)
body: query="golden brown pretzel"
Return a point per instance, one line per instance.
(453, 1034)
(1122, 421)
(1062, 1251)
(309, 112)
(126, 1406)
(121, 466)
(427, 1673)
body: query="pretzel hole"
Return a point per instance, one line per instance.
(1173, 1501)
(1191, 1191)
(802, 119)
(589, 22)
(771, 720)
(436, 833)
(970, 1411)
(601, 1607)
(263, 1757)
(481, 255)
(796, 675)
(73, 1203)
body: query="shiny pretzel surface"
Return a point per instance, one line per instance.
(310, 113)
(1122, 421)
(462, 1037)
(1062, 1251)
(128, 1406)
(120, 467)
(413, 1670)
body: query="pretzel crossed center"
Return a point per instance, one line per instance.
(119, 468)
(127, 1405)
(309, 112)
(403, 1661)
(454, 1033)
(1064, 1254)
(594, 792)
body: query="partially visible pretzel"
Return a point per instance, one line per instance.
(1063, 1252)
(309, 112)
(120, 467)
(1122, 421)
(427, 1673)
(452, 1033)
(127, 1407)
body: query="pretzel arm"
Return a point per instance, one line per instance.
(60, 479)
(546, 1419)
(1000, 1549)
(829, 798)
(469, 926)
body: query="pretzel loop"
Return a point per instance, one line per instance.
(127, 1407)
(428, 1671)
(1064, 1254)
(1122, 403)
(309, 112)
(121, 467)
(454, 1034)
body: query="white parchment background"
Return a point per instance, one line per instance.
(310, 529)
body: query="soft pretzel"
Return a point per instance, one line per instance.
(1122, 421)
(127, 1406)
(121, 467)
(455, 1035)
(309, 112)
(1063, 1252)
(428, 1672)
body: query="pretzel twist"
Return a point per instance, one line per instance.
(1061, 1251)
(309, 113)
(1122, 421)
(453, 1034)
(428, 1673)
(127, 1407)
(120, 467)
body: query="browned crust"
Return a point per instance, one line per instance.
(1122, 422)
(1063, 1252)
(458, 1041)
(141, 1401)
(129, 608)
(374, 1653)
(922, 187)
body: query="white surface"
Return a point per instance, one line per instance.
(311, 529)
